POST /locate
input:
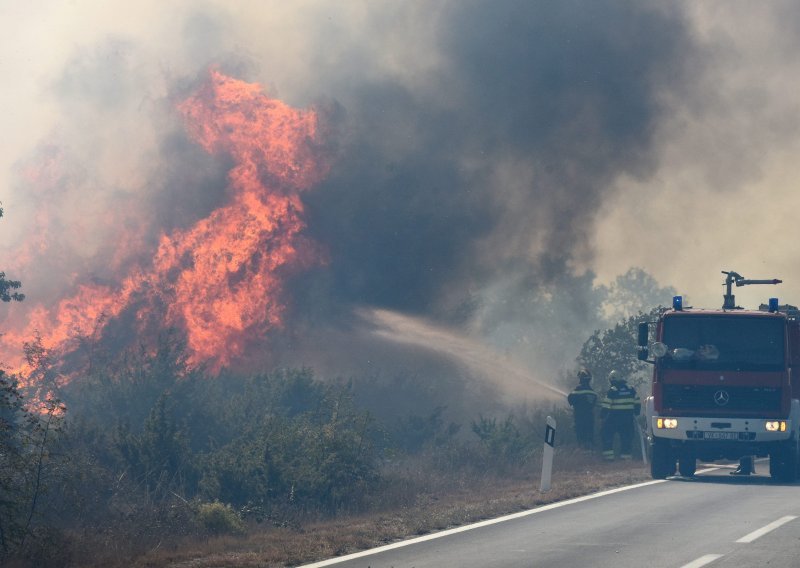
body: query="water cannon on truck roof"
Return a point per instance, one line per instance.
(723, 385)
(729, 302)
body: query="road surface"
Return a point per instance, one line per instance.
(714, 520)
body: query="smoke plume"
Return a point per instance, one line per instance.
(454, 168)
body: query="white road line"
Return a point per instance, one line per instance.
(765, 529)
(702, 561)
(481, 524)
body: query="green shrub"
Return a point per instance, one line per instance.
(505, 443)
(219, 518)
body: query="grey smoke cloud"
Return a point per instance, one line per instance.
(486, 153)
(470, 131)
(493, 167)
(725, 183)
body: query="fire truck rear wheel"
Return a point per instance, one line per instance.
(662, 463)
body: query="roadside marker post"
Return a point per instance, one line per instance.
(641, 440)
(547, 456)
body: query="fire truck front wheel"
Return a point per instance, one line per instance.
(662, 464)
(687, 462)
(783, 462)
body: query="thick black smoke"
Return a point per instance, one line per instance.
(492, 168)
(473, 144)
(484, 165)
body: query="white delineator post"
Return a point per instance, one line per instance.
(641, 440)
(547, 456)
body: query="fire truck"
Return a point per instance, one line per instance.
(726, 384)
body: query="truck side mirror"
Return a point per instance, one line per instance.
(644, 330)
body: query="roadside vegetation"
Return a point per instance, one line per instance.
(281, 468)
(143, 461)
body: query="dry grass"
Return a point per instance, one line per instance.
(433, 502)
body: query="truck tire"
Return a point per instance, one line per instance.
(687, 463)
(783, 462)
(662, 464)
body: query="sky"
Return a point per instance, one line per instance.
(483, 153)
(725, 187)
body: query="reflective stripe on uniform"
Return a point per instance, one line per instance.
(622, 399)
(620, 403)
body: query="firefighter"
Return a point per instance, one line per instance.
(583, 400)
(617, 411)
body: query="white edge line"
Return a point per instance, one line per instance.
(765, 529)
(478, 525)
(702, 561)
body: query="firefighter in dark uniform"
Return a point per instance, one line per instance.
(583, 400)
(617, 410)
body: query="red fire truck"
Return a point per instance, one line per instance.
(726, 385)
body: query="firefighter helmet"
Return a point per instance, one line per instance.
(614, 376)
(584, 375)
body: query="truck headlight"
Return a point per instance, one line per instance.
(666, 423)
(775, 425)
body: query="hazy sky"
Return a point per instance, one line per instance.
(726, 188)
(482, 148)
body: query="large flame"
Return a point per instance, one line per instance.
(222, 279)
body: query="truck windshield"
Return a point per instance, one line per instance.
(725, 343)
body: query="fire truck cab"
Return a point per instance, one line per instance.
(726, 385)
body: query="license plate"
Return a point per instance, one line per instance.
(720, 435)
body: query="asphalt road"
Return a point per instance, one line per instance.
(711, 520)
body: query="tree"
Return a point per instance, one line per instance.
(632, 293)
(616, 349)
(26, 438)
(12, 470)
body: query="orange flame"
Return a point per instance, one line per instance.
(221, 280)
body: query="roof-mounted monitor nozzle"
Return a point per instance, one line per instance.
(731, 278)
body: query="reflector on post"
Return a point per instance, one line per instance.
(773, 304)
(677, 303)
(547, 456)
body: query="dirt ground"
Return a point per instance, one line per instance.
(437, 508)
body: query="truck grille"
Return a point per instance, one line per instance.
(718, 400)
